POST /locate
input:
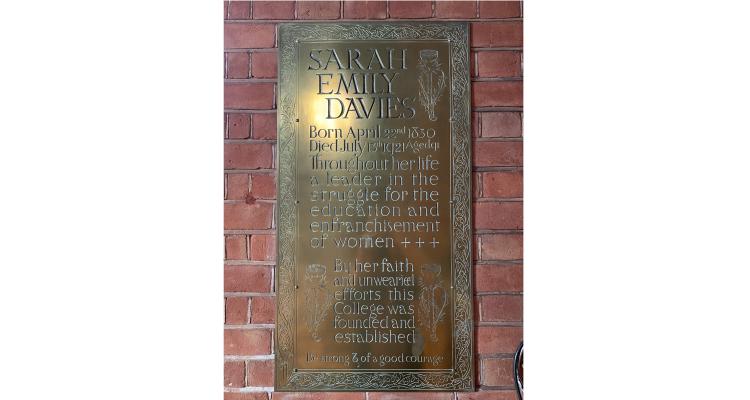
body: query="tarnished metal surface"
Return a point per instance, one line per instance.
(373, 277)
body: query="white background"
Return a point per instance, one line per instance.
(636, 217)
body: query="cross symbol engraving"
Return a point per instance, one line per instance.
(405, 242)
(434, 242)
(419, 242)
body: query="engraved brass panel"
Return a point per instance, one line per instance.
(373, 275)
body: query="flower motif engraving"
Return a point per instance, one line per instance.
(431, 81)
(318, 299)
(433, 299)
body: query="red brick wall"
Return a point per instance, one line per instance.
(250, 189)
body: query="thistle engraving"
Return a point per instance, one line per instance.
(317, 298)
(431, 81)
(432, 299)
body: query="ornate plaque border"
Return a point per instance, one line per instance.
(461, 376)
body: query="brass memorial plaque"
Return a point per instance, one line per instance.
(373, 276)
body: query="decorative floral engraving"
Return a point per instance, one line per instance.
(431, 81)
(318, 299)
(461, 377)
(432, 299)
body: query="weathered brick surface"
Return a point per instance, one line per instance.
(248, 155)
(263, 126)
(247, 278)
(498, 339)
(236, 310)
(497, 372)
(502, 184)
(263, 310)
(246, 396)
(499, 64)
(247, 342)
(238, 10)
(260, 373)
(248, 216)
(273, 10)
(498, 154)
(410, 9)
(250, 131)
(498, 278)
(499, 9)
(249, 95)
(497, 94)
(238, 65)
(318, 10)
(506, 246)
(234, 374)
(455, 9)
(496, 215)
(497, 34)
(263, 64)
(501, 124)
(238, 126)
(365, 9)
(248, 36)
(501, 308)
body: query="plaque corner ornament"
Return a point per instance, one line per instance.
(443, 297)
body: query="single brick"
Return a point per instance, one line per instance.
(318, 10)
(245, 396)
(502, 308)
(263, 64)
(498, 339)
(247, 278)
(502, 246)
(410, 9)
(238, 10)
(249, 36)
(263, 186)
(238, 126)
(498, 154)
(249, 96)
(496, 34)
(234, 374)
(499, 64)
(248, 155)
(499, 278)
(497, 372)
(503, 184)
(455, 9)
(247, 342)
(236, 247)
(273, 10)
(508, 394)
(264, 126)
(236, 310)
(248, 216)
(497, 94)
(499, 9)
(410, 395)
(263, 310)
(501, 124)
(238, 65)
(238, 186)
(260, 373)
(262, 247)
(365, 10)
(496, 215)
